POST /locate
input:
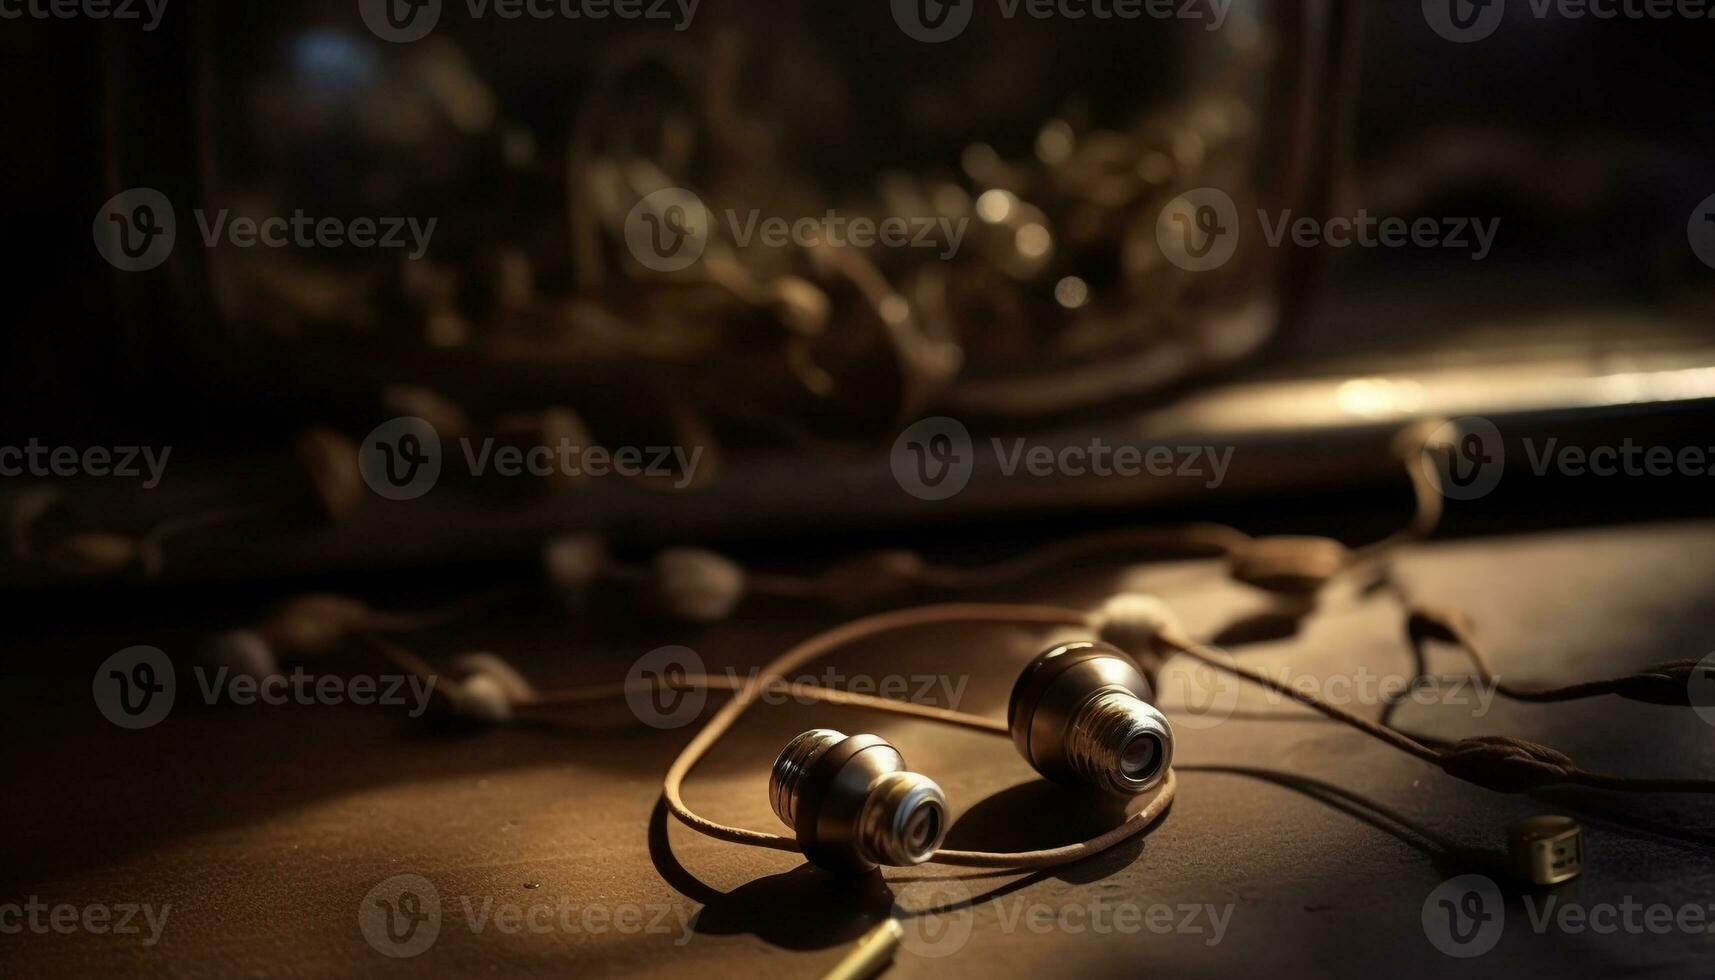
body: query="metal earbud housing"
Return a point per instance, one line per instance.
(852, 804)
(1080, 715)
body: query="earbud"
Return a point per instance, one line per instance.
(481, 688)
(852, 803)
(1080, 714)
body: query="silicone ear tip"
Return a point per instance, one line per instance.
(1132, 621)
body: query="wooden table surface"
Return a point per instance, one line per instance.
(261, 830)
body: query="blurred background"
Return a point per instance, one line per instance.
(1059, 144)
(498, 235)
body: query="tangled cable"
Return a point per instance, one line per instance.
(1664, 684)
(1503, 763)
(1143, 626)
(1146, 628)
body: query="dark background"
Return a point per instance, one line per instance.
(1591, 140)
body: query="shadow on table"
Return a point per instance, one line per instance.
(808, 908)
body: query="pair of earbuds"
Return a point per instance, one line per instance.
(1080, 714)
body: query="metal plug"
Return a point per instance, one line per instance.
(1546, 850)
(852, 803)
(1080, 714)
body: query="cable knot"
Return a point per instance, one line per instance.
(1505, 764)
